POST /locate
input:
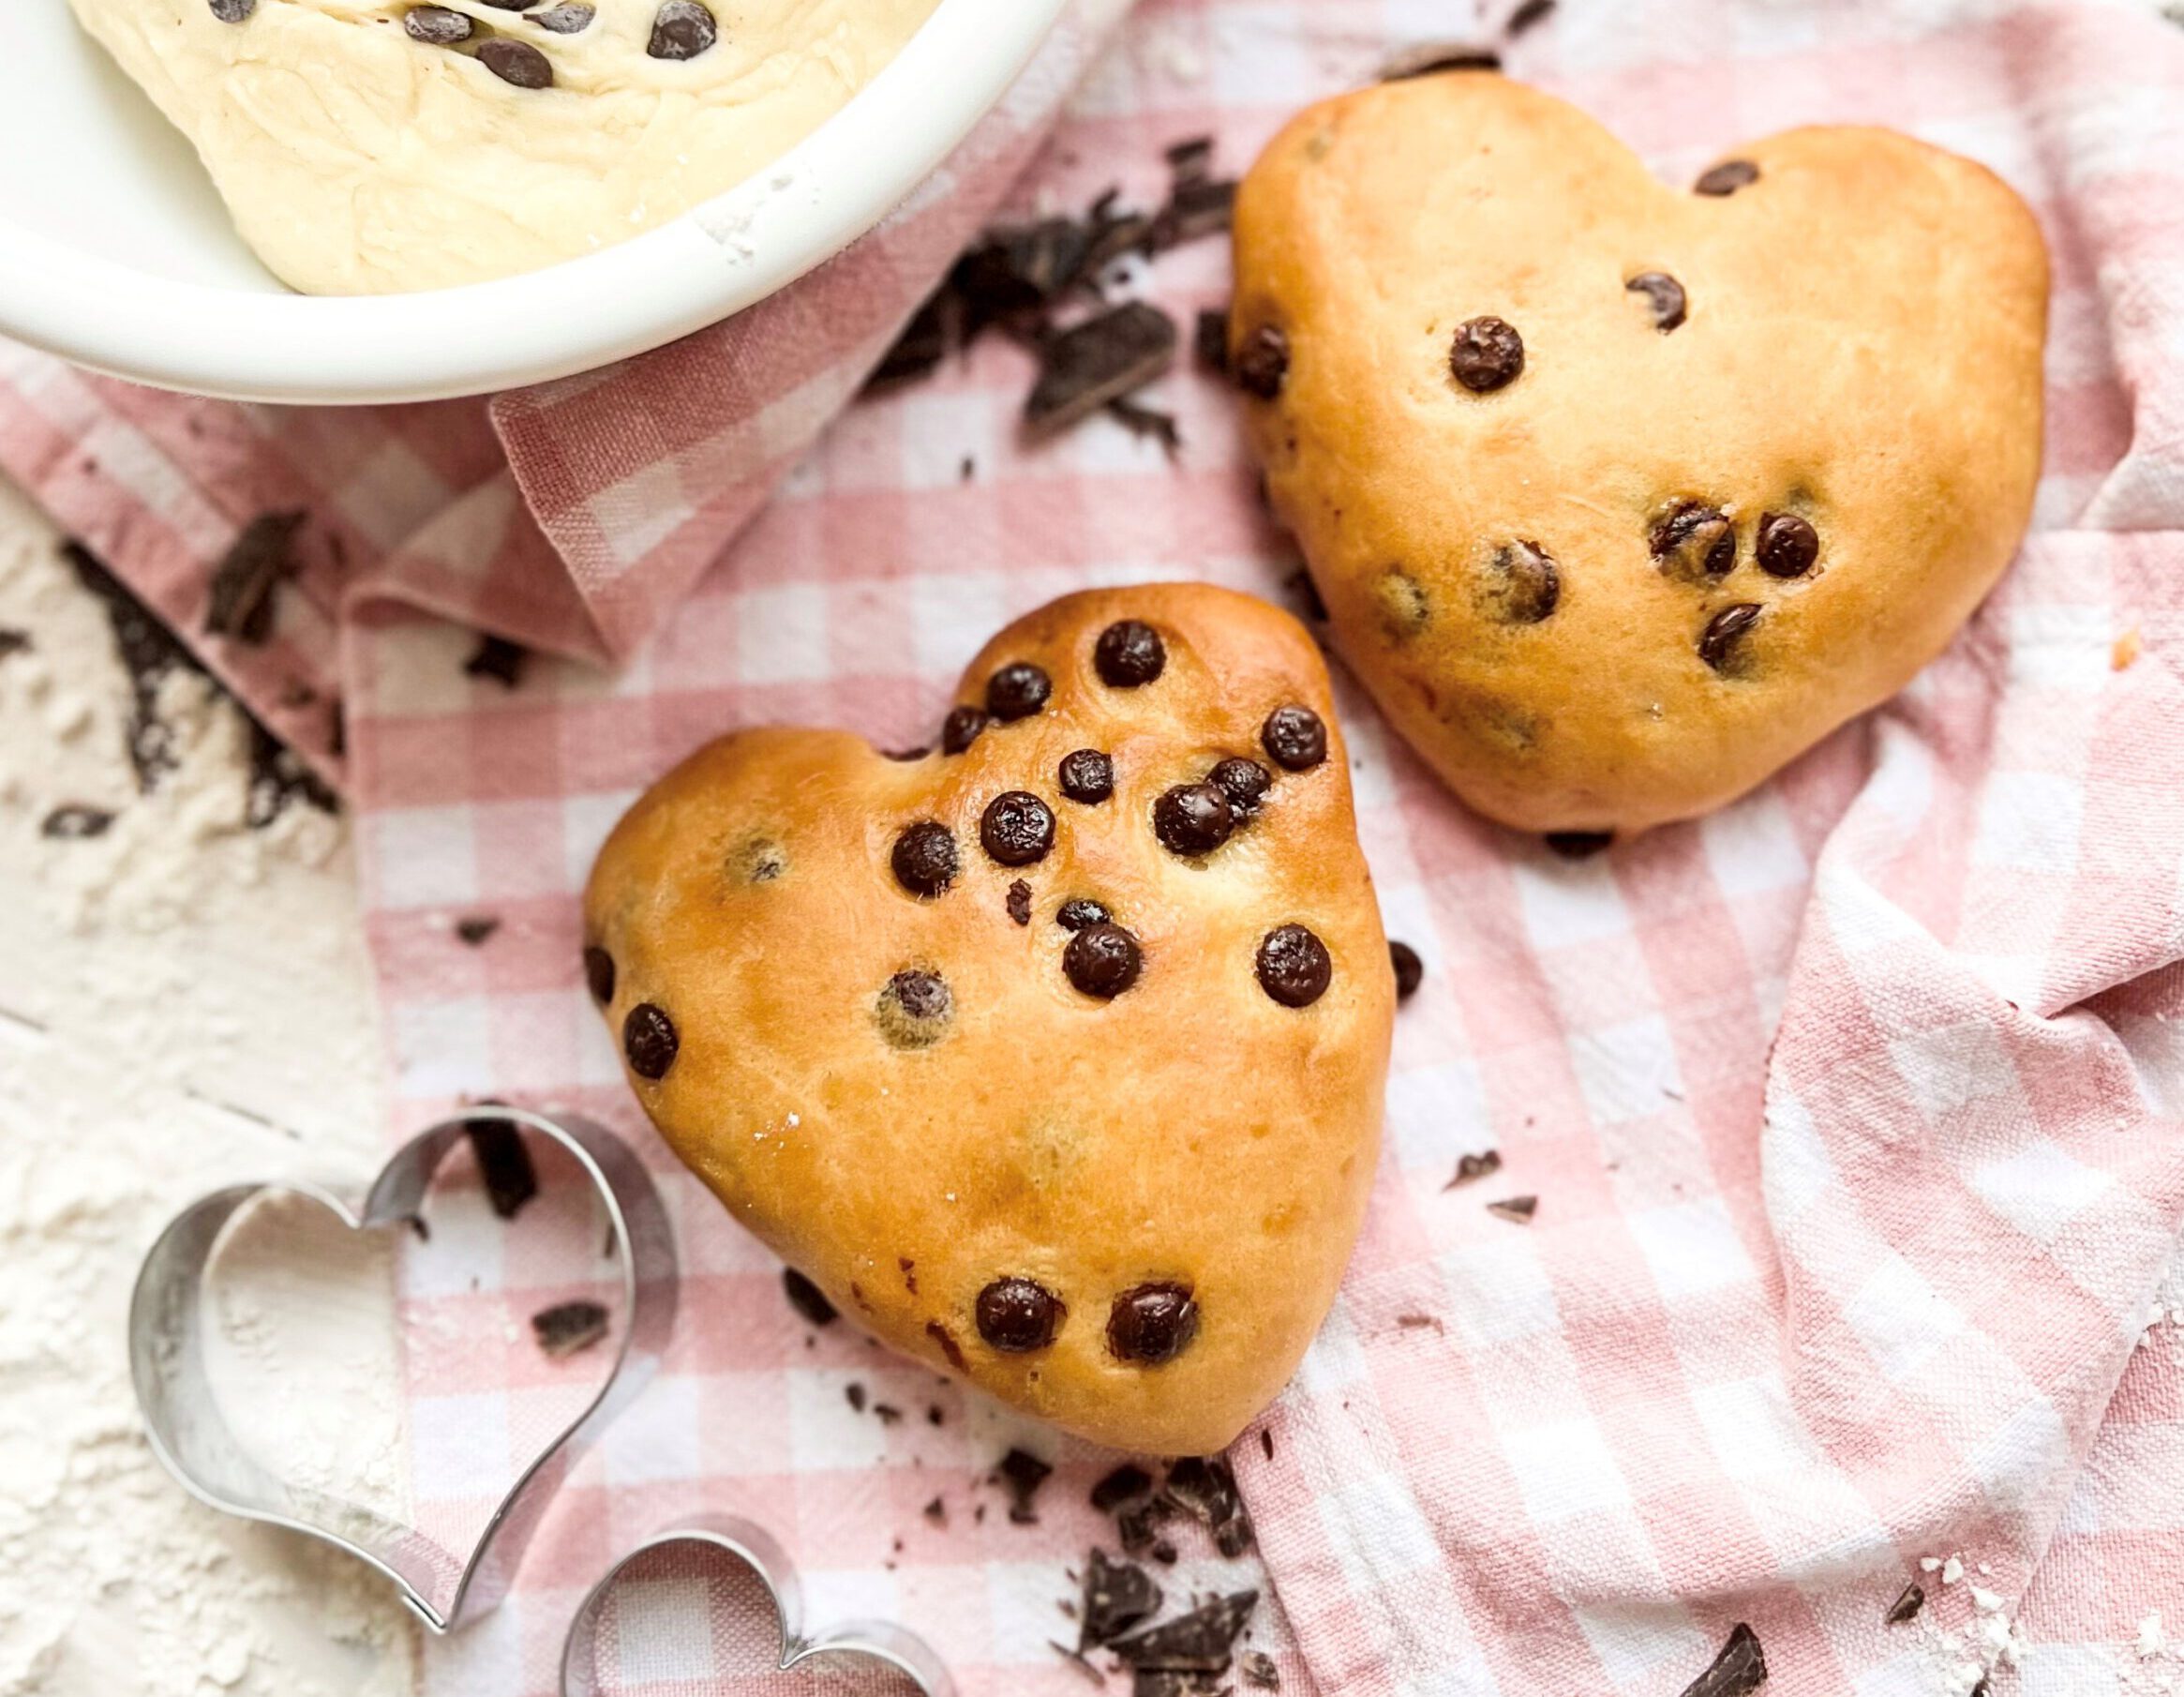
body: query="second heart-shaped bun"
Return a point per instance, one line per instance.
(1054, 1054)
(1621, 496)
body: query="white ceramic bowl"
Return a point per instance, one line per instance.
(116, 253)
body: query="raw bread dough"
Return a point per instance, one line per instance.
(358, 159)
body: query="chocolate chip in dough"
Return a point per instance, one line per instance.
(1193, 819)
(961, 728)
(1522, 584)
(1017, 828)
(682, 29)
(599, 973)
(806, 1298)
(1485, 355)
(1295, 737)
(1410, 969)
(517, 63)
(1578, 845)
(1018, 902)
(1726, 177)
(570, 18)
(913, 1009)
(1088, 776)
(1693, 542)
(1787, 545)
(1017, 691)
(1079, 912)
(1128, 654)
(649, 1039)
(1243, 782)
(1102, 961)
(1721, 644)
(1152, 1324)
(1019, 1315)
(1261, 364)
(1664, 298)
(1737, 1670)
(233, 11)
(924, 858)
(437, 25)
(1294, 966)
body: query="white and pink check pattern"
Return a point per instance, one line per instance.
(1853, 1111)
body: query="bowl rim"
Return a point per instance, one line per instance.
(695, 270)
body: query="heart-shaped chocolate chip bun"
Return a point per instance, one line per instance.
(1621, 496)
(1055, 1053)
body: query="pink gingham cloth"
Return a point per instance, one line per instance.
(1852, 1110)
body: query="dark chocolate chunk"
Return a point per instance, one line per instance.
(1693, 542)
(1787, 545)
(516, 63)
(921, 344)
(961, 728)
(1017, 828)
(1193, 818)
(806, 1298)
(1740, 1669)
(1243, 782)
(1909, 1601)
(1139, 1525)
(1518, 1209)
(505, 1165)
(1019, 1315)
(1410, 969)
(1430, 58)
(650, 1039)
(1261, 364)
(1293, 967)
(437, 25)
(1204, 1487)
(1726, 177)
(1197, 1643)
(1018, 902)
(476, 928)
(1126, 1483)
(1578, 845)
(1119, 1595)
(599, 973)
(1084, 368)
(233, 11)
(570, 18)
(1471, 1168)
(924, 858)
(682, 29)
(1079, 912)
(498, 659)
(258, 561)
(1017, 691)
(1128, 654)
(913, 1009)
(568, 1327)
(1720, 643)
(1522, 584)
(1023, 1473)
(1295, 737)
(1102, 961)
(1210, 340)
(1664, 298)
(1259, 1671)
(74, 822)
(1485, 355)
(1197, 208)
(1152, 1322)
(1088, 776)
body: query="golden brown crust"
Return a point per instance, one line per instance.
(1191, 1130)
(1862, 349)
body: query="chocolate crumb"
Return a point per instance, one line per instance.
(1126, 1483)
(1738, 1669)
(807, 1299)
(75, 822)
(1430, 58)
(1528, 16)
(887, 1414)
(937, 1511)
(1518, 1209)
(1727, 178)
(1907, 1605)
(1267, 1441)
(1023, 1473)
(503, 1164)
(498, 659)
(933, 1415)
(1118, 1597)
(854, 1393)
(1143, 421)
(1103, 359)
(568, 1327)
(1259, 1671)
(1472, 1167)
(257, 563)
(1418, 1322)
(476, 928)
(1164, 1553)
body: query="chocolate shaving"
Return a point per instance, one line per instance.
(497, 659)
(1528, 16)
(853, 1394)
(1127, 1484)
(1105, 358)
(1418, 1322)
(1190, 159)
(1023, 1473)
(1520, 1209)
(568, 1327)
(1470, 1169)
(257, 563)
(1740, 1668)
(75, 822)
(1429, 58)
(807, 1299)
(1259, 1671)
(1196, 208)
(503, 1164)
(1196, 1643)
(1119, 1595)
(476, 928)
(1143, 421)
(1909, 1601)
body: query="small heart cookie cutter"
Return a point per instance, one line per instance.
(191, 1436)
(880, 1641)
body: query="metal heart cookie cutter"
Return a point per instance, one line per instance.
(755, 1555)
(191, 1436)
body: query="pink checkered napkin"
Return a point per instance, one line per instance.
(1851, 1110)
